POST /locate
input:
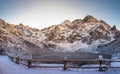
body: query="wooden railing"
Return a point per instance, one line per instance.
(29, 63)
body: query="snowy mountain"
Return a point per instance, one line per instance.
(110, 48)
(86, 30)
(82, 35)
(69, 36)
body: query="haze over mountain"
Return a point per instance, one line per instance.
(69, 36)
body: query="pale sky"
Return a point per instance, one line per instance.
(43, 13)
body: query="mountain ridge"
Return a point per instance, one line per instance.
(68, 36)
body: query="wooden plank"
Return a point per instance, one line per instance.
(47, 60)
(113, 67)
(80, 67)
(94, 60)
(46, 66)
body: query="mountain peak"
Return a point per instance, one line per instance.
(114, 28)
(66, 22)
(21, 24)
(90, 18)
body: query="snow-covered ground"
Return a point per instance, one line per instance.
(8, 67)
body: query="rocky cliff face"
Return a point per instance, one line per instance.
(87, 30)
(110, 48)
(78, 35)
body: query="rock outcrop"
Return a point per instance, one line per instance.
(67, 36)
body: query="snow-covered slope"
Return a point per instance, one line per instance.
(110, 48)
(9, 67)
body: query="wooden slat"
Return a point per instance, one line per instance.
(47, 60)
(47, 66)
(81, 67)
(113, 67)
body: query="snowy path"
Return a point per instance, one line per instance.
(8, 67)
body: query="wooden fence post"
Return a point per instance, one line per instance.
(1, 52)
(29, 63)
(65, 63)
(17, 60)
(100, 65)
(100, 62)
(12, 59)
